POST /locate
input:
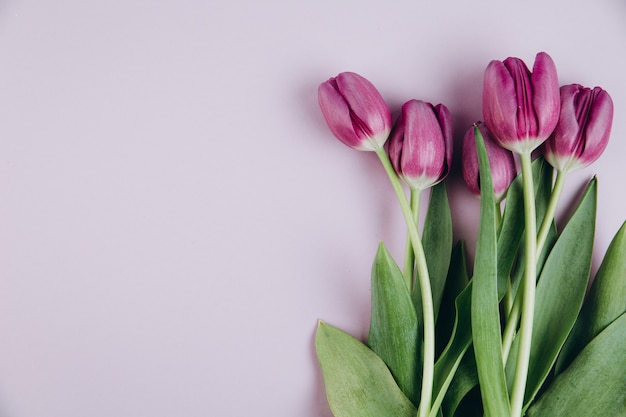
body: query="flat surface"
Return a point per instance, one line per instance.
(174, 213)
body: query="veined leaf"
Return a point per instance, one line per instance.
(358, 384)
(394, 333)
(485, 310)
(594, 384)
(605, 302)
(456, 282)
(450, 359)
(437, 242)
(464, 381)
(561, 289)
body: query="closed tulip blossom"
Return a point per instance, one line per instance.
(521, 108)
(583, 130)
(420, 147)
(501, 162)
(355, 111)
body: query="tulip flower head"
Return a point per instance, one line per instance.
(583, 130)
(355, 111)
(420, 147)
(521, 108)
(501, 162)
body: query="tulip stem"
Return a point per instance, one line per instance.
(528, 288)
(424, 283)
(409, 256)
(551, 210)
(511, 325)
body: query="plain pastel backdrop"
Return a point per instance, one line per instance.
(175, 216)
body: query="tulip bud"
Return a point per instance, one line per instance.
(521, 108)
(420, 147)
(355, 111)
(501, 162)
(582, 132)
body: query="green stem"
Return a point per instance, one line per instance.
(409, 256)
(528, 288)
(551, 210)
(424, 283)
(511, 325)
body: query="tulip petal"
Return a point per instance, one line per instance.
(423, 152)
(337, 114)
(599, 121)
(369, 112)
(355, 111)
(445, 121)
(526, 119)
(546, 101)
(499, 104)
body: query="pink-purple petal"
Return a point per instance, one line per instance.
(546, 101)
(499, 103)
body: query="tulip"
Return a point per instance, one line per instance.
(501, 162)
(420, 147)
(355, 111)
(521, 108)
(582, 132)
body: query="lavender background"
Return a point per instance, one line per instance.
(174, 214)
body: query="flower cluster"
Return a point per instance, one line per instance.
(521, 309)
(522, 110)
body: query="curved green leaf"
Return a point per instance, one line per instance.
(358, 384)
(485, 310)
(605, 302)
(594, 384)
(437, 242)
(464, 382)
(561, 289)
(393, 333)
(456, 282)
(450, 359)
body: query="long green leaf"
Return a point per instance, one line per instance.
(456, 282)
(463, 385)
(358, 384)
(450, 359)
(437, 242)
(594, 384)
(561, 289)
(394, 334)
(485, 310)
(605, 302)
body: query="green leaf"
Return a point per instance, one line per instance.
(437, 242)
(594, 384)
(561, 289)
(605, 302)
(358, 384)
(450, 359)
(485, 310)
(465, 381)
(394, 332)
(456, 282)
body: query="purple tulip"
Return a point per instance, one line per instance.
(420, 147)
(501, 162)
(355, 111)
(521, 108)
(583, 130)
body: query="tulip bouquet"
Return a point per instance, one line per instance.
(519, 334)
